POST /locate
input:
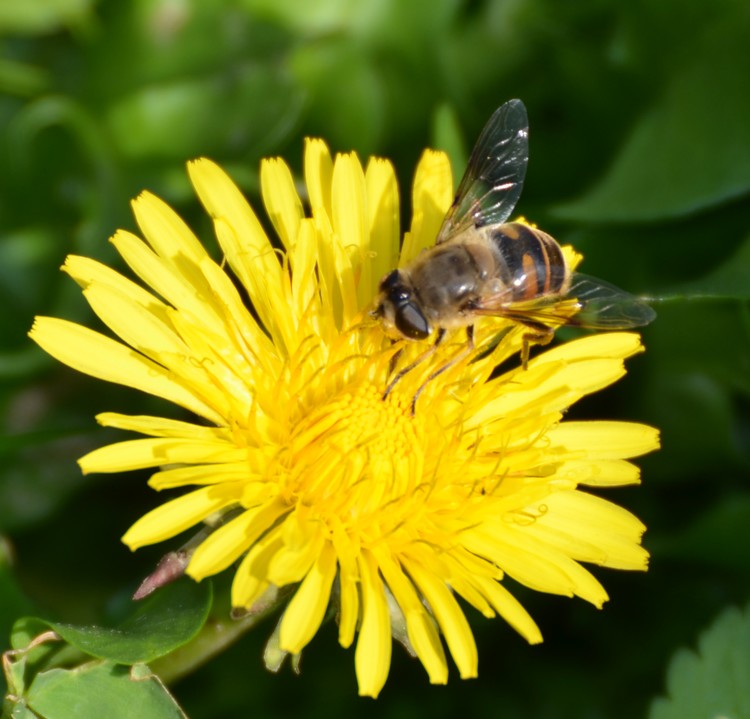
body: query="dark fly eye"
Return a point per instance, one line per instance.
(390, 281)
(410, 321)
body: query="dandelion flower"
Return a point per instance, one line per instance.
(324, 487)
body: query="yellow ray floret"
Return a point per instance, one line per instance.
(307, 476)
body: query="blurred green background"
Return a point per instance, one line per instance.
(640, 156)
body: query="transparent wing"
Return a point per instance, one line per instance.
(590, 303)
(606, 307)
(492, 184)
(542, 311)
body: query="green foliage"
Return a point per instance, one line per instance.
(691, 149)
(640, 157)
(160, 624)
(715, 680)
(52, 681)
(96, 689)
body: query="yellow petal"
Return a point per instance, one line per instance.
(162, 427)
(244, 338)
(348, 582)
(134, 324)
(282, 202)
(96, 355)
(450, 618)
(604, 345)
(515, 556)
(351, 224)
(593, 529)
(307, 608)
(605, 440)
(510, 609)
(200, 474)
(599, 473)
(303, 542)
(318, 176)
(184, 288)
(143, 453)
(432, 195)
(372, 658)
(86, 271)
(166, 232)
(241, 236)
(303, 259)
(230, 541)
(535, 563)
(384, 221)
(174, 517)
(250, 579)
(422, 632)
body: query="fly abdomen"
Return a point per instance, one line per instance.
(532, 263)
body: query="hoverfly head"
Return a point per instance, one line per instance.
(399, 309)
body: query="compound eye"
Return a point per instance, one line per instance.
(411, 323)
(390, 281)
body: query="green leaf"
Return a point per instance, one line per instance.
(18, 78)
(358, 93)
(730, 280)
(151, 121)
(165, 621)
(13, 602)
(39, 474)
(25, 629)
(713, 682)
(318, 17)
(716, 538)
(448, 136)
(168, 619)
(692, 149)
(723, 351)
(18, 710)
(43, 17)
(101, 689)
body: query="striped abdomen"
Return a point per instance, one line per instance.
(530, 262)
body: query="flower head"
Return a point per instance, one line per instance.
(321, 484)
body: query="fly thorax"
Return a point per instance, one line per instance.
(450, 278)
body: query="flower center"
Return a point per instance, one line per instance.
(355, 454)
(384, 428)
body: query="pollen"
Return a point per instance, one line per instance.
(356, 454)
(384, 427)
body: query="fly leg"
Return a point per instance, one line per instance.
(461, 355)
(425, 355)
(538, 335)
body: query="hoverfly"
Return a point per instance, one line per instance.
(482, 265)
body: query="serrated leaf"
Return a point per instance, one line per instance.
(692, 149)
(165, 621)
(101, 689)
(714, 682)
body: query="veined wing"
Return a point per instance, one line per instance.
(542, 311)
(493, 180)
(606, 307)
(590, 302)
